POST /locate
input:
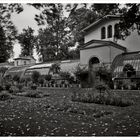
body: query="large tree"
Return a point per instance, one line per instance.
(57, 35)
(130, 20)
(8, 32)
(80, 17)
(27, 41)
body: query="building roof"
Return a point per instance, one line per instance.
(7, 64)
(18, 70)
(25, 58)
(97, 22)
(132, 58)
(102, 43)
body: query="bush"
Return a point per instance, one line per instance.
(7, 86)
(13, 90)
(33, 87)
(82, 75)
(34, 94)
(35, 76)
(48, 77)
(20, 87)
(1, 88)
(16, 78)
(101, 87)
(107, 98)
(5, 96)
(41, 81)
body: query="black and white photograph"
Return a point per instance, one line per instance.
(69, 69)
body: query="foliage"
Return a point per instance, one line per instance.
(55, 39)
(5, 96)
(81, 73)
(107, 98)
(128, 68)
(16, 78)
(80, 18)
(3, 70)
(130, 20)
(1, 88)
(64, 75)
(34, 94)
(33, 87)
(27, 41)
(105, 75)
(35, 76)
(7, 86)
(55, 68)
(41, 80)
(103, 9)
(8, 33)
(20, 87)
(101, 87)
(48, 77)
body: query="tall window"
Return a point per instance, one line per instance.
(109, 29)
(103, 33)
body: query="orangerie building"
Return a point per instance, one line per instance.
(101, 47)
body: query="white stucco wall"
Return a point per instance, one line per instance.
(105, 54)
(132, 42)
(96, 32)
(21, 62)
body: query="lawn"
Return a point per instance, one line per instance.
(57, 115)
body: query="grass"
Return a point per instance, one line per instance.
(57, 115)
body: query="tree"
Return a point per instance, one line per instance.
(2, 72)
(8, 32)
(27, 41)
(35, 76)
(57, 36)
(129, 70)
(80, 18)
(130, 20)
(55, 68)
(103, 9)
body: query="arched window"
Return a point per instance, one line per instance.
(109, 31)
(103, 33)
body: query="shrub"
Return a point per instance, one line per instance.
(48, 77)
(16, 78)
(101, 87)
(7, 86)
(55, 68)
(92, 96)
(41, 80)
(5, 96)
(13, 90)
(33, 86)
(35, 76)
(20, 87)
(1, 88)
(34, 94)
(105, 75)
